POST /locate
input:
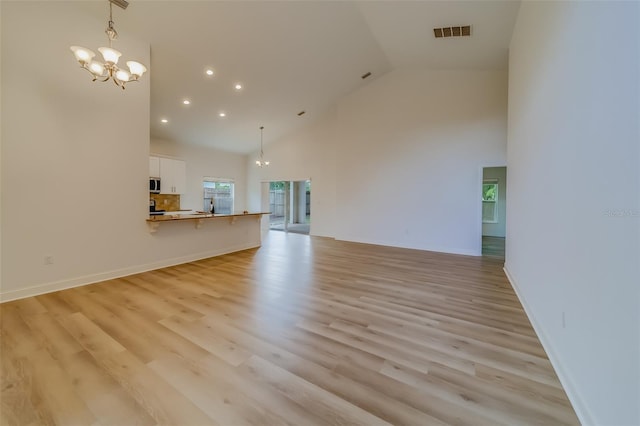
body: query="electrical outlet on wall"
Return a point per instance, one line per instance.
(48, 260)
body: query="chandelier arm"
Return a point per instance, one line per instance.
(94, 75)
(118, 82)
(86, 68)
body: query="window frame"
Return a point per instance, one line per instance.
(217, 180)
(493, 202)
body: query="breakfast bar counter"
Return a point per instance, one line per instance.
(198, 218)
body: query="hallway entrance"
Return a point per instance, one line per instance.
(494, 211)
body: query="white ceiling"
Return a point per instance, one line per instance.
(292, 56)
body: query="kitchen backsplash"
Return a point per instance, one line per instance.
(166, 202)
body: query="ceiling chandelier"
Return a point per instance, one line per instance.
(261, 162)
(108, 70)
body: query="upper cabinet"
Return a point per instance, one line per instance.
(172, 174)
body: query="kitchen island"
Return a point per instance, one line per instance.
(198, 218)
(181, 236)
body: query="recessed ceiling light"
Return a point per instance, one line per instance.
(164, 120)
(186, 102)
(238, 86)
(209, 71)
(222, 114)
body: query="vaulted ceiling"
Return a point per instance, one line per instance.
(292, 56)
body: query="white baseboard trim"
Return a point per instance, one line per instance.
(448, 250)
(119, 273)
(584, 415)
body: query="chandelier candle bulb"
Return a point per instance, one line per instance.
(136, 68)
(96, 68)
(83, 55)
(123, 75)
(110, 55)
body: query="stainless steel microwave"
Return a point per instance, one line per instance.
(154, 185)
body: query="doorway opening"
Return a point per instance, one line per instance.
(290, 206)
(494, 211)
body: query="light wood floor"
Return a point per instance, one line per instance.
(493, 246)
(303, 331)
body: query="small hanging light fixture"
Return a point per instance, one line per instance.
(109, 69)
(261, 162)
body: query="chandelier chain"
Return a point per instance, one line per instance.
(112, 34)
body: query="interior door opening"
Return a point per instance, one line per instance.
(494, 211)
(290, 206)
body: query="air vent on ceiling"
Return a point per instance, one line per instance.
(464, 31)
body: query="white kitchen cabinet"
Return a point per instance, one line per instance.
(154, 167)
(173, 176)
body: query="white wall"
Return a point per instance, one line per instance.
(412, 143)
(1, 68)
(205, 162)
(399, 161)
(75, 161)
(500, 175)
(574, 144)
(70, 148)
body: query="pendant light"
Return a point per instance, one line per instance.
(261, 162)
(108, 69)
